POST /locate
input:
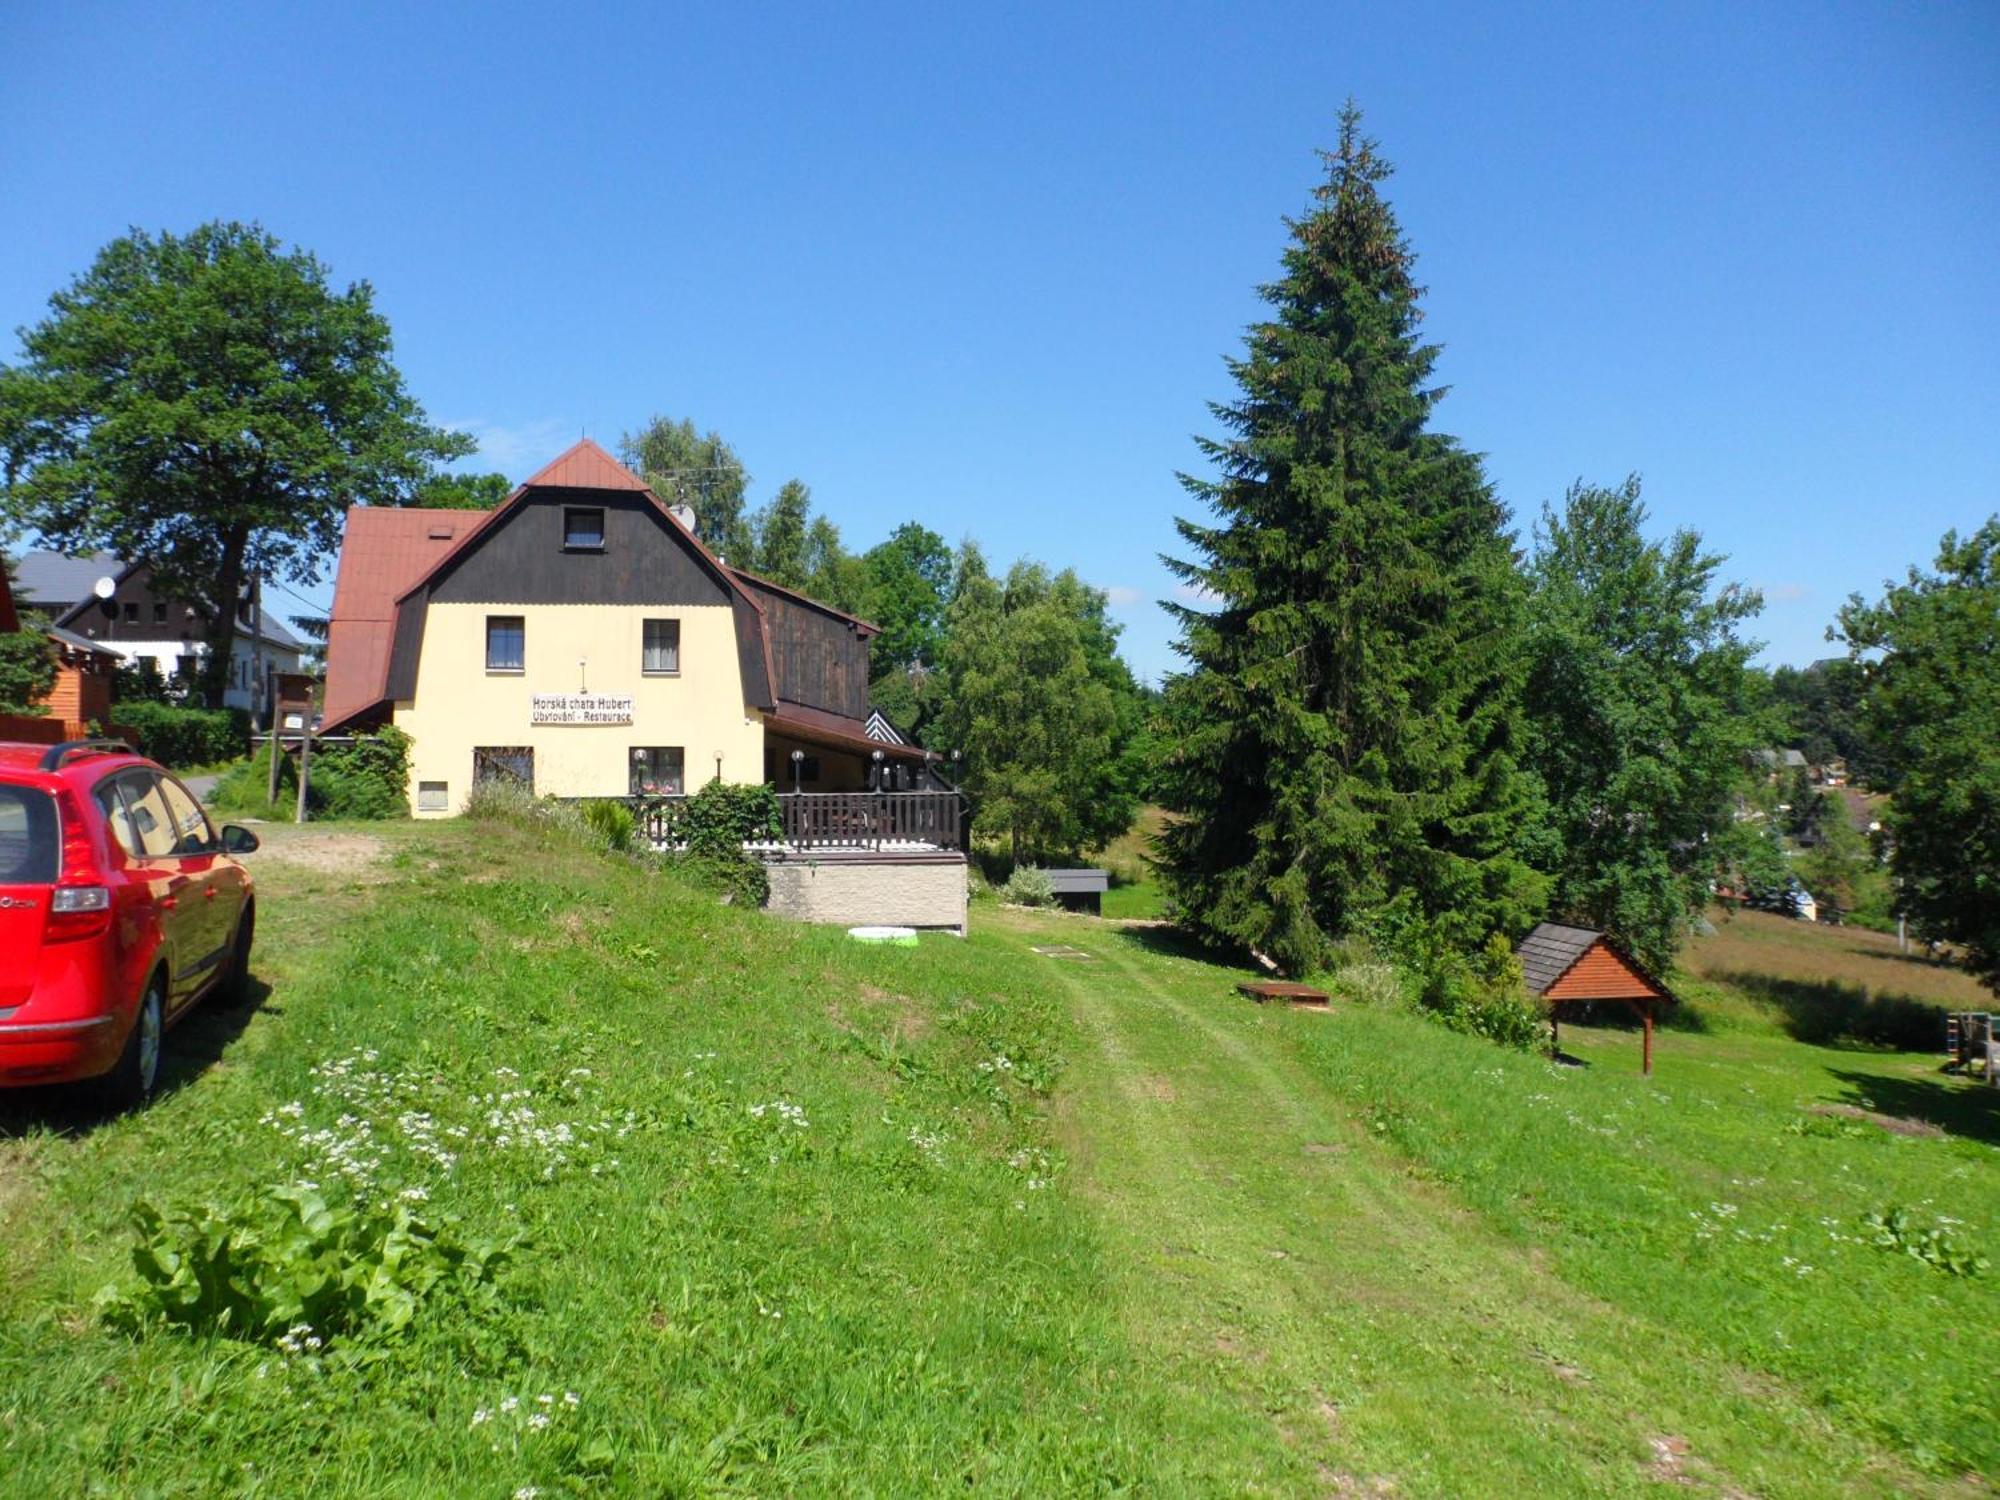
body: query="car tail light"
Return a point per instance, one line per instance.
(81, 904)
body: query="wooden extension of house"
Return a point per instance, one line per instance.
(581, 640)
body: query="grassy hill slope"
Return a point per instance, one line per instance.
(787, 1207)
(801, 1216)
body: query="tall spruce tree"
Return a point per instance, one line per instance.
(1341, 749)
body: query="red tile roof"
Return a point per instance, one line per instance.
(584, 466)
(385, 552)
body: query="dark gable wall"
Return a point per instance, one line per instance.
(522, 560)
(105, 620)
(821, 660)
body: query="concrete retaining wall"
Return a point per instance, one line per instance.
(864, 889)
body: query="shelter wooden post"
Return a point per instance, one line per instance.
(1646, 1018)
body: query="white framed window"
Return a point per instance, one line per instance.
(433, 796)
(506, 643)
(662, 654)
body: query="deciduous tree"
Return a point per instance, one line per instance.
(1037, 721)
(833, 574)
(909, 585)
(1641, 716)
(1931, 646)
(781, 529)
(686, 466)
(210, 404)
(464, 491)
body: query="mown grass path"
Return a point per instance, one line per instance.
(1274, 1252)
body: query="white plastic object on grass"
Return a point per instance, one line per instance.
(904, 937)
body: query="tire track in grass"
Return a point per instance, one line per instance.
(1273, 1253)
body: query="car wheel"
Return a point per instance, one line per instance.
(235, 986)
(130, 1083)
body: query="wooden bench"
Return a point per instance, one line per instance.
(1297, 994)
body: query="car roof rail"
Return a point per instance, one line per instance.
(57, 754)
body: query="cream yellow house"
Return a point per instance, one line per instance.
(580, 639)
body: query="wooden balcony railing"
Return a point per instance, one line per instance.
(833, 820)
(869, 820)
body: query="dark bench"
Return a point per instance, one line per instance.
(1079, 890)
(1297, 994)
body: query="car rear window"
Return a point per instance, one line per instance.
(30, 844)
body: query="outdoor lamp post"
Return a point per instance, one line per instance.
(798, 766)
(875, 772)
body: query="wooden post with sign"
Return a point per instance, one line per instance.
(305, 754)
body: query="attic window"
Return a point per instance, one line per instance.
(441, 531)
(583, 528)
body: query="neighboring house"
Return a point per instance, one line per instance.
(138, 624)
(80, 696)
(1782, 761)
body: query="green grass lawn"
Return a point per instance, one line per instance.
(801, 1216)
(1135, 892)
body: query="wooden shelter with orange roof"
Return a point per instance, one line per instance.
(1563, 964)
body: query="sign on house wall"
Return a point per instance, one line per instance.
(581, 708)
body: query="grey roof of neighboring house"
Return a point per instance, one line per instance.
(275, 632)
(1550, 951)
(53, 583)
(44, 580)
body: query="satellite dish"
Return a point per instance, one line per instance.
(683, 513)
(105, 587)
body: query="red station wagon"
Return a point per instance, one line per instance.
(120, 907)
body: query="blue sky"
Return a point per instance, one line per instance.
(981, 269)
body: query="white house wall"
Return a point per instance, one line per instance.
(460, 706)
